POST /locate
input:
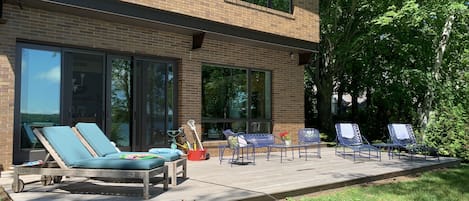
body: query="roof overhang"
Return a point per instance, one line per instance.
(128, 13)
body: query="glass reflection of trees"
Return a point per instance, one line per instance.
(120, 101)
(225, 96)
(281, 5)
(154, 94)
(224, 93)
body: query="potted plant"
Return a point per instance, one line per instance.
(285, 138)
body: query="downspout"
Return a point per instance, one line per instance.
(2, 21)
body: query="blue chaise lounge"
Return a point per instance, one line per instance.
(74, 159)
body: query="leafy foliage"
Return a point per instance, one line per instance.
(449, 127)
(387, 51)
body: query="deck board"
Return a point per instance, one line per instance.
(266, 180)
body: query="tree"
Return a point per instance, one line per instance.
(344, 31)
(405, 56)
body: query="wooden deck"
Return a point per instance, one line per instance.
(266, 180)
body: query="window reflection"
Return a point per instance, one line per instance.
(260, 95)
(281, 5)
(40, 91)
(225, 95)
(121, 97)
(224, 92)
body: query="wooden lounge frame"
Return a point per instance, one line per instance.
(63, 170)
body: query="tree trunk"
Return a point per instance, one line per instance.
(323, 79)
(430, 96)
(340, 99)
(355, 107)
(324, 106)
(368, 98)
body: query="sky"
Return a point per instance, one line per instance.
(40, 81)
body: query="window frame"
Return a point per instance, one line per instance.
(269, 5)
(19, 152)
(248, 119)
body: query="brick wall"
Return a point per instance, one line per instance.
(303, 23)
(70, 30)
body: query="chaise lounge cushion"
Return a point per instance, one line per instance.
(167, 154)
(74, 153)
(96, 138)
(104, 148)
(66, 144)
(116, 163)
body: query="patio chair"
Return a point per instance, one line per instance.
(239, 147)
(348, 136)
(99, 145)
(309, 136)
(74, 159)
(403, 136)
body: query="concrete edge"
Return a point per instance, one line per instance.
(314, 189)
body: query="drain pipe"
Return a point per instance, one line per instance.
(2, 21)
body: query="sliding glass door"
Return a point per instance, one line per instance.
(154, 104)
(39, 88)
(131, 99)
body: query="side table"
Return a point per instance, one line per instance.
(388, 147)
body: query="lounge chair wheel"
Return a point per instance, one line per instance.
(46, 180)
(18, 188)
(57, 179)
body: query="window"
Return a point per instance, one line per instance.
(40, 92)
(235, 98)
(281, 5)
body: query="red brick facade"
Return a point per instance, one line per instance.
(77, 31)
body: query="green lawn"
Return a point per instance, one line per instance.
(450, 184)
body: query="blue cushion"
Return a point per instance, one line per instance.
(169, 156)
(67, 145)
(166, 150)
(122, 164)
(260, 139)
(96, 138)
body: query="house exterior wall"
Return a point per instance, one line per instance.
(303, 23)
(70, 30)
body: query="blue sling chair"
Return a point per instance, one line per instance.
(348, 136)
(99, 145)
(72, 158)
(309, 136)
(403, 136)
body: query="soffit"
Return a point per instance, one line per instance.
(127, 13)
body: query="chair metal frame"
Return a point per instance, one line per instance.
(309, 136)
(410, 144)
(239, 151)
(358, 144)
